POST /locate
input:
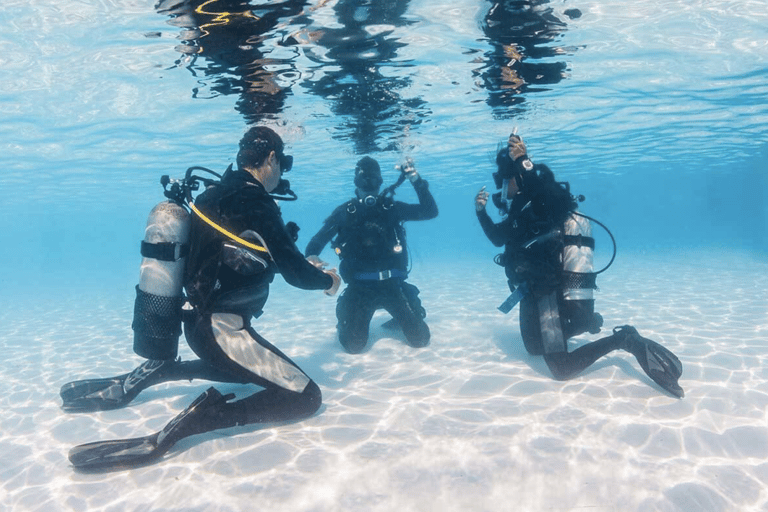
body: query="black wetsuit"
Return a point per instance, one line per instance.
(371, 244)
(540, 268)
(227, 285)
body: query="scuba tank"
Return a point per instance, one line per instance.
(157, 312)
(159, 296)
(578, 276)
(578, 255)
(577, 282)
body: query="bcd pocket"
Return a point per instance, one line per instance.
(243, 261)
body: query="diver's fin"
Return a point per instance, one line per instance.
(112, 392)
(199, 417)
(659, 363)
(94, 394)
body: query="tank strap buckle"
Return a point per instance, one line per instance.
(164, 251)
(580, 241)
(381, 275)
(180, 250)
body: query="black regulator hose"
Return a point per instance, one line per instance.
(390, 190)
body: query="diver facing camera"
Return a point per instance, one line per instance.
(368, 180)
(368, 236)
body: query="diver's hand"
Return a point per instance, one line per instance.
(317, 262)
(409, 170)
(516, 147)
(481, 199)
(336, 282)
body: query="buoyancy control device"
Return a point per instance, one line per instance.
(372, 237)
(578, 278)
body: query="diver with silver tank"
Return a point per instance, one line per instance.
(548, 260)
(224, 254)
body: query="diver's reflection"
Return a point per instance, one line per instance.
(349, 61)
(521, 32)
(230, 36)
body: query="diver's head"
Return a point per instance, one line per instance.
(367, 177)
(262, 155)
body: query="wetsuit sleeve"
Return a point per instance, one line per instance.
(496, 233)
(295, 269)
(327, 232)
(425, 210)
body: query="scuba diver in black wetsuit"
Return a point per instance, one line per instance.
(370, 241)
(237, 243)
(548, 262)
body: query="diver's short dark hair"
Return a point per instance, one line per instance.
(256, 145)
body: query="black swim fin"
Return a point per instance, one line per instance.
(661, 365)
(112, 392)
(201, 416)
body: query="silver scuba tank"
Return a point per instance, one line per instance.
(578, 258)
(159, 294)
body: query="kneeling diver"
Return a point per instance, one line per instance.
(225, 256)
(369, 238)
(548, 262)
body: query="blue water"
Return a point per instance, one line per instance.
(656, 111)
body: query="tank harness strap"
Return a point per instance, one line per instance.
(380, 276)
(164, 251)
(579, 241)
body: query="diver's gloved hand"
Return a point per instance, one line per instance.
(516, 147)
(317, 262)
(293, 230)
(409, 170)
(336, 282)
(481, 199)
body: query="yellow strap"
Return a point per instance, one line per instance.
(226, 233)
